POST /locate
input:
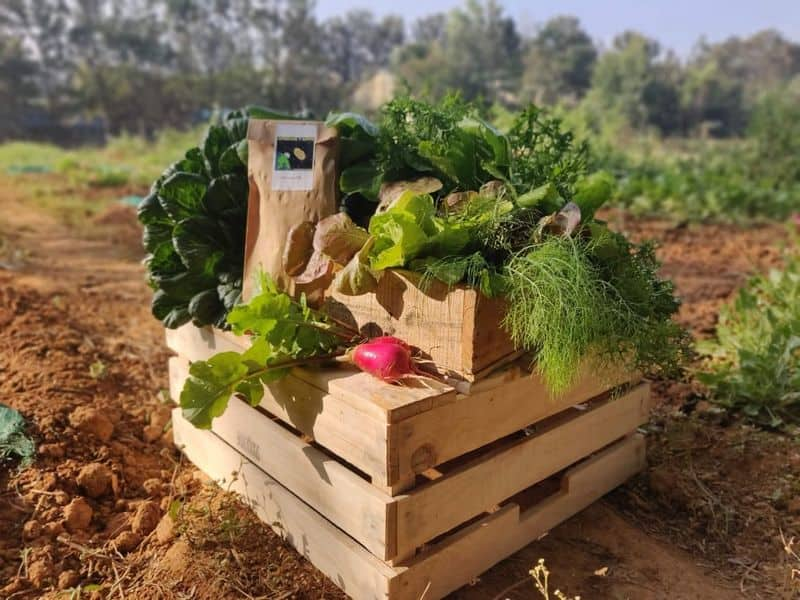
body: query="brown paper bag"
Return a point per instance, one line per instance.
(292, 169)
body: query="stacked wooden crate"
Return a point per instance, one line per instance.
(411, 492)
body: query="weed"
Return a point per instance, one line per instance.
(753, 366)
(541, 579)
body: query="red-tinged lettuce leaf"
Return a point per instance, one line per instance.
(357, 277)
(339, 238)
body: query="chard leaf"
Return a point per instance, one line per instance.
(230, 162)
(150, 211)
(217, 140)
(185, 285)
(181, 195)
(197, 242)
(224, 195)
(155, 235)
(205, 307)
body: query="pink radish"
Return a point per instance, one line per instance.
(387, 358)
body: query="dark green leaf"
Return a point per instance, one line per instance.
(14, 442)
(205, 307)
(181, 195)
(197, 242)
(217, 140)
(362, 179)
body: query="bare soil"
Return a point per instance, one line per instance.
(110, 508)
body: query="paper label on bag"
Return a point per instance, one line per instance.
(294, 156)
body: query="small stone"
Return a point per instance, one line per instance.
(160, 417)
(126, 541)
(68, 579)
(151, 433)
(92, 421)
(152, 486)
(52, 450)
(145, 518)
(118, 523)
(78, 514)
(165, 530)
(95, 479)
(39, 571)
(53, 528)
(31, 530)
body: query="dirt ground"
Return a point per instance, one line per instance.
(109, 508)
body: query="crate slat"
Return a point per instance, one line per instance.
(347, 563)
(505, 403)
(392, 527)
(444, 566)
(349, 433)
(487, 480)
(461, 558)
(339, 494)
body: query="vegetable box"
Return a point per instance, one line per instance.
(404, 492)
(457, 327)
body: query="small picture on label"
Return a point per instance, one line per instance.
(294, 154)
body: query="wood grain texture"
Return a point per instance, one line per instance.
(350, 434)
(465, 555)
(443, 567)
(457, 327)
(506, 402)
(360, 574)
(329, 487)
(489, 478)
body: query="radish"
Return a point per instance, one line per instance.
(387, 358)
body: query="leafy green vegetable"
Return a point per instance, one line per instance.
(753, 366)
(14, 442)
(284, 333)
(194, 226)
(570, 306)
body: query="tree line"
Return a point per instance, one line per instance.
(141, 65)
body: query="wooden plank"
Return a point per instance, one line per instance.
(484, 481)
(360, 574)
(329, 487)
(506, 402)
(458, 559)
(391, 403)
(331, 422)
(363, 392)
(444, 566)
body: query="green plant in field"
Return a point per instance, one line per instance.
(753, 366)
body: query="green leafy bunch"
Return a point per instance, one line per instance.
(592, 298)
(753, 365)
(449, 141)
(284, 333)
(194, 226)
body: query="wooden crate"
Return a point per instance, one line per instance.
(458, 327)
(385, 487)
(393, 433)
(440, 567)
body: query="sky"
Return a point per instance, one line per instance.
(677, 24)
